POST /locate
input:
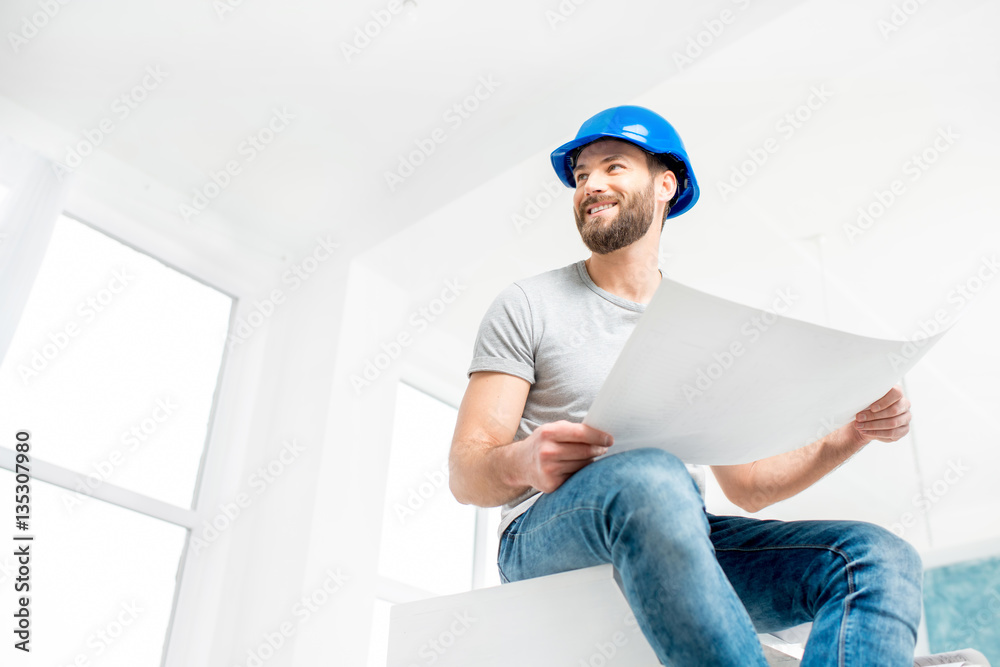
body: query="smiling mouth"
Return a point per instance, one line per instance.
(601, 207)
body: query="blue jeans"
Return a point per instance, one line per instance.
(702, 586)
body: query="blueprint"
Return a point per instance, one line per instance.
(719, 383)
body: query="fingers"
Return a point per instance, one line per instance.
(887, 429)
(567, 468)
(886, 424)
(573, 451)
(890, 405)
(887, 419)
(554, 473)
(580, 442)
(592, 436)
(561, 449)
(887, 435)
(571, 432)
(891, 397)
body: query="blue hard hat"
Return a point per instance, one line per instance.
(646, 129)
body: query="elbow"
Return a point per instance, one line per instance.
(751, 507)
(741, 487)
(455, 484)
(751, 502)
(458, 492)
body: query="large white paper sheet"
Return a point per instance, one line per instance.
(717, 382)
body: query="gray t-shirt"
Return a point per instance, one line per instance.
(562, 333)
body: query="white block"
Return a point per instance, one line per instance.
(570, 619)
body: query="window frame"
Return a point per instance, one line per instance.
(198, 594)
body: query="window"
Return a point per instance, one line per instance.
(431, 544)
(428, 538)
(113, 370)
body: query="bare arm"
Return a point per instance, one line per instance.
(488, 468)
(754, 486)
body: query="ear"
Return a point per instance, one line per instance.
(665, 185)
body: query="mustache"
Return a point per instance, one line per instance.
(592, 200)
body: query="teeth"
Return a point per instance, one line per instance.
(601, 208)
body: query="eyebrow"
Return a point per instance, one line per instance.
(610, 158)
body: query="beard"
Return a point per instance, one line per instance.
(630, 223)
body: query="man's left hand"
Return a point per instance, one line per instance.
(886, 420)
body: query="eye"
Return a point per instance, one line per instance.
(615, 164)
(581, 177)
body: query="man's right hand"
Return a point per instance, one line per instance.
(489, 468)
(554, 451)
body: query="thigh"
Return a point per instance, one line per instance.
(783, 571)
(553, 542)
(570, 528)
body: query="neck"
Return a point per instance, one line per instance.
(631, 273)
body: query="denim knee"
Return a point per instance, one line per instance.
(885, 550)
(650, 474)
(652, 492)
(893, 566)
(904, 555)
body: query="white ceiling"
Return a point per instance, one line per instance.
(352, 119)
(227, 71)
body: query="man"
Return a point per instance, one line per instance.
(701, 586)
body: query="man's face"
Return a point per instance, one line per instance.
(614, 199)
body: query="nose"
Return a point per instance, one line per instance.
(594, 184)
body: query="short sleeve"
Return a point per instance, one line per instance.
(505, 342)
